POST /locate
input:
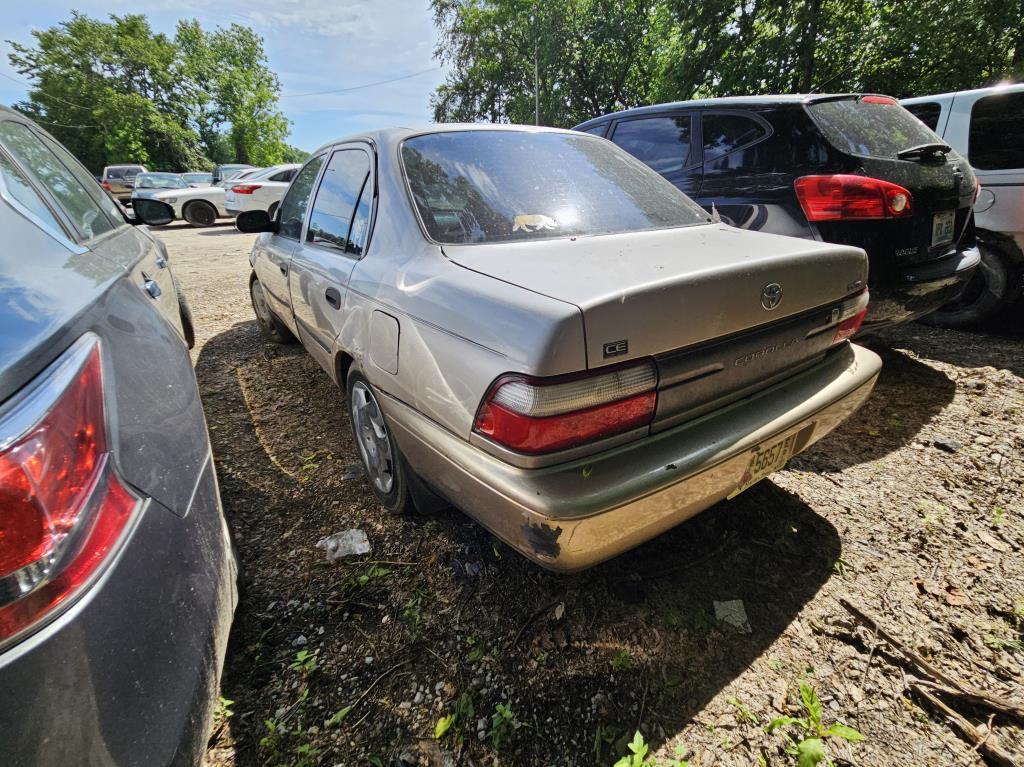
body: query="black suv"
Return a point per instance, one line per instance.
(852, 169)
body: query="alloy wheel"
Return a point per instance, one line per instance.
(372, 437)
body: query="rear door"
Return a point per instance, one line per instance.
(666, 143)
(273, 254)
(875, 132)
(995, 148)
(335, 238)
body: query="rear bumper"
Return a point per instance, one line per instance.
(128, 675)
(574, 515)
(920, 289)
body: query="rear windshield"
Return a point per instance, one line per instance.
(124, 171)
(497, 186)
(869, 129)
(159, 181)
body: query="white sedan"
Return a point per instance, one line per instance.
(200, 206)
(260, 190)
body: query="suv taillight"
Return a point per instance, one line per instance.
(62, 507)
(851, 315)
(245, 188)
(538, 415)
(844, 197)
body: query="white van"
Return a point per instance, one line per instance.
(987, 127)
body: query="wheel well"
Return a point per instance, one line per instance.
(1004, 243)
(342, 363)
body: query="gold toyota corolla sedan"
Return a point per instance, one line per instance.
(541, 330)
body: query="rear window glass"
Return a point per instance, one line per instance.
(499, 186)
(869, 129)
(927, 112)
(662, 143)
(996, 140)
(123, 172)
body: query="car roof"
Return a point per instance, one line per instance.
(989, 91)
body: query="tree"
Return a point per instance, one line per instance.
(115, 91)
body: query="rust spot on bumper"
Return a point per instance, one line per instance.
(543, 539)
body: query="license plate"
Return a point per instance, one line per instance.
(943, 225)
(765, 461)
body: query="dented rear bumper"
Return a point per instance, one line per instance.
(574, 515)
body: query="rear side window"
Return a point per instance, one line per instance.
(724, 133)
(927, 112)
(597, 130)
(336, 199)
(475, 186)
(661, 143)
(293, 207)
(21, 191)
(81, 207)
(870, 126)
(996, 139)
(285, 175)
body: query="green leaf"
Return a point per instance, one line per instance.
(810, 752)
(338, 717)
(784, 721)
(811, 703)
(638, 746)
(443, 725)
(846, 733)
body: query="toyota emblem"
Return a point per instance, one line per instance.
(771, 296)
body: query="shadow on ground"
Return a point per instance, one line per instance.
(582, 660)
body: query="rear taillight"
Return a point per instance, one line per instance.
(844, 197)
(105, 184)
(537, 415)
(62, 507)
(245, 188)
(851, 315)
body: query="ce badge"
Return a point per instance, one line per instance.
(771, 296)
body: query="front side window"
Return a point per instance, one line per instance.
(84, 211)
(334, 210)
(21, 191)
(293, 208)
(996, 138)
(725, 133)
(927, 112)
(662, 143)
(475, 186)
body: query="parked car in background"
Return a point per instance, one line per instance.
(117, 581)
(229, 171)
(849, 169)
(148, 184)
(119, 180)
(200, 206)
(987, 127)
(260, 190)
(535, 326)
(198, 178)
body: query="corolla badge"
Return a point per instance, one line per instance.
(771, 296)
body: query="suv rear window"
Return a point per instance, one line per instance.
(996, 140)
(927, 112)
(496, 186)
(869, 129)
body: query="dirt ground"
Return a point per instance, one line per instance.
(913, 511)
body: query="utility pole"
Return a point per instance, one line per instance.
(536, 87)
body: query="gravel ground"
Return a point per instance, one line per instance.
(912, 511)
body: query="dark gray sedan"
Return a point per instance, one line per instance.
(116, 572)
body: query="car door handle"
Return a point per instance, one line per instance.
(333, 297)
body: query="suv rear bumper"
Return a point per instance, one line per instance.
(920, 289)
(574, 515)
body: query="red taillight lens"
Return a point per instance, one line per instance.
(536, 415)
(105, 184)
(851, 316)
(845, 197)
(245, 188)
(62, 508)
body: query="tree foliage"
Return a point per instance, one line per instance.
(115, 91)
(596, 56)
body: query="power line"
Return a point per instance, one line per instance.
(47, 95)
(359, 87)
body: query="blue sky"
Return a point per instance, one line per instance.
(313, 45)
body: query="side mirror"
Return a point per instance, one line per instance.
(254, 221)
(152, 212)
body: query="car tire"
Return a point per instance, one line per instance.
(187, 326)
(387, 472)
(271, 327)
(200, 213)
(992, 286)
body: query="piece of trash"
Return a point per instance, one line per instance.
(734, 614)
(344, 544)
(559, 611)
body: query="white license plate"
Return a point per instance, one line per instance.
(943, 225)
(765, 461)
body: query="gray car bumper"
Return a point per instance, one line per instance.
(574, 515)
(129, 674)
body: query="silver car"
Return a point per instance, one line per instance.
(536, 327)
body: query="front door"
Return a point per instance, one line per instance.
(334, 240)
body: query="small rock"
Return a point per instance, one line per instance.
(300, 641)
(368, 660)
(418, 698)
(949, 445)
